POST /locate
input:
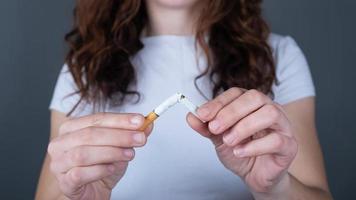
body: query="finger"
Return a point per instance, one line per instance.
(197, 125)
(202, 128)
(94, 136)
(79, 176)
(269, 116)
(247, 103)
(129, 121)
(208, 110)
(149, 129)
(273, 143)
(82, 156)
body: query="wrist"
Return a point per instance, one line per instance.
(277, 191)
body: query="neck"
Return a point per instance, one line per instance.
(170, 20)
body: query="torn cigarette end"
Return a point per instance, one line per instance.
(168, 103)
(149, 119)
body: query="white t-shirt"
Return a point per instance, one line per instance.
(178, 163)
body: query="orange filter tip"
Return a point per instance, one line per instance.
(149, 119)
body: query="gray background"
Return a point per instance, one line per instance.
(32, 52)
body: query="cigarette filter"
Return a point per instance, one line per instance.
(149, 119)
(165, 105)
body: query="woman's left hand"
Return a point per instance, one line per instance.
(252, 136)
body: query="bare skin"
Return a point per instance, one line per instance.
(258, 140)
(89, 155)
(274, 148)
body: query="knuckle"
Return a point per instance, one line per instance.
(229, 112)
(278, 141)
(243, 126)
(74, 176)
(257, 96)
(97, 118)
(254, 93)
(235, 90)
(52, 147)
(234, 109)
(273, 112)
(77, 157)
(63, 127)
(125, 119)
(218, 103)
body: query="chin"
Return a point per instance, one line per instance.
(176, 4)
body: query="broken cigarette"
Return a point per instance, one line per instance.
(168, 103)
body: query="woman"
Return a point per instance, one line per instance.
(125, 57)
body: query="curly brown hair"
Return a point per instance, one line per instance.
(107, 33)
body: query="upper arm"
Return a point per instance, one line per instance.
(47, 186)
(308, 166)
(295, 91)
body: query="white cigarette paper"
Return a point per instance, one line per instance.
(173, 100)
(188, 104)
(168, 103)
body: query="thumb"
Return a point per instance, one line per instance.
(203, 129)
(197, 125)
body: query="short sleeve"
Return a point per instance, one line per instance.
(294, 80)
(64, 97)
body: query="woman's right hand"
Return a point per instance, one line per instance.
(91, 153)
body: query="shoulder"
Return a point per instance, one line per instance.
(283, 47)
(65, 96)
(294, 80)
(287, 54)
(275, 39)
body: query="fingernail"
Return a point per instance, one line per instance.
(136, 120)
(228, 139)
(239, 152)
(139, 138)
(203, 111)
(128, 153)
(214, 125)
